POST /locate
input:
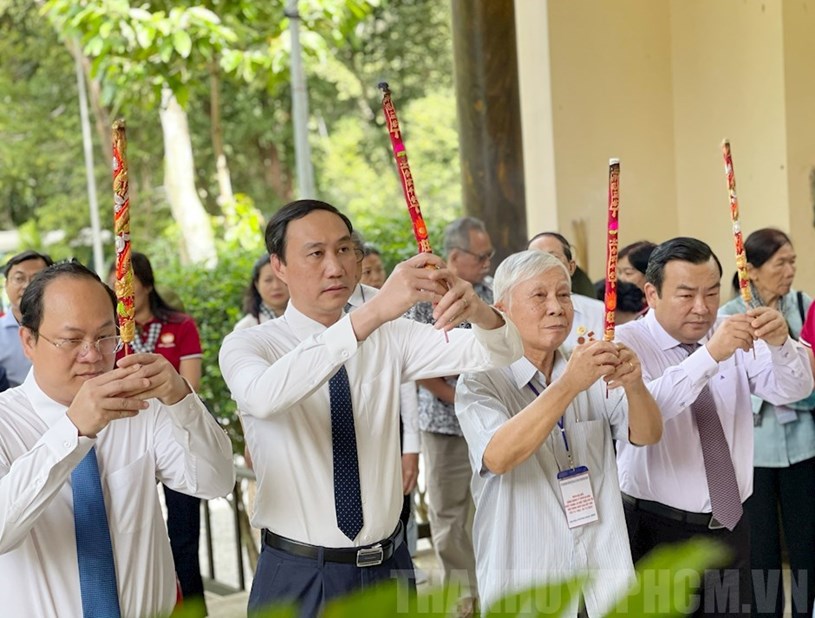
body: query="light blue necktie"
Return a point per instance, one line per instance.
(94, 551)
(347, 498)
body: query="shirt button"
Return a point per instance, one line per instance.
(67, 444)
(344, 354)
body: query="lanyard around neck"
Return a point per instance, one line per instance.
(559, 424)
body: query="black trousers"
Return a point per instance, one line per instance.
(723, 592)
(184, 528)
(310, 583)
(407, 501)
(783, 500)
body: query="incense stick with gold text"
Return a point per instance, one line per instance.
(125, 297)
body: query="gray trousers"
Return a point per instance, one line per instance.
(450, 505)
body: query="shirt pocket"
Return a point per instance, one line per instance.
(132, 495)
(587, 440)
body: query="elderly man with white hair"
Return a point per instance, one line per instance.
(540, 434)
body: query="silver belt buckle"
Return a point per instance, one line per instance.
(713, 524)
(370, 556)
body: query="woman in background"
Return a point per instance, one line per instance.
(784, 452)
(163, 329)
(632, 262)
(265, 298)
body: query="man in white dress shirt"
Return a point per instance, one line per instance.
(588, 312)
(318, 389)
(541, 427)
(137, 423)
(701, 371)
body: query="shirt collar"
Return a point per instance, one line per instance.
(8, 320)
(361, 294)
(523, 371)
(46, 408)
(661, 336)
(302, 325)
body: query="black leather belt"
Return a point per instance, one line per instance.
(703, 520)
(370, 555)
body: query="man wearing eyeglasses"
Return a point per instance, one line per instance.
(18, 271)
(81, 447)
(469, 253)
(318, 391)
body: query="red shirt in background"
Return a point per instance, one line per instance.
(176, 341)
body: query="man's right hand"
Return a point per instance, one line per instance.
(422, 278)
(733, 333)
(100, 401)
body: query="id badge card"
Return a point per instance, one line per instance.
(578, 498)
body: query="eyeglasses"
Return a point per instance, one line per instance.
(20, 279)
(81, 347)
(481, 257)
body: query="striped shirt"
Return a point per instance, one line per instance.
(520, 531)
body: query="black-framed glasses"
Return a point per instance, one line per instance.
(80, 347)
(481, 257)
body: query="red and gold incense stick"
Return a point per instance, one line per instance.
(612, 245)
(738, 239)
(399, 153)
(125, 306)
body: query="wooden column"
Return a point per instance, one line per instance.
(489, 116)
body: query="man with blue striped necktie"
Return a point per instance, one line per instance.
(81, 447)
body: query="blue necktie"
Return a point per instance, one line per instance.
(94, 551)
(347, 499)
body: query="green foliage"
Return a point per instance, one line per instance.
(37, 120)
(667, 579)
(547, 600)
(676, 565)
(214, 298)
(359, 175)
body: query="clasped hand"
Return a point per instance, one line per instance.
(740, 331)
(426, 278)
(613, 362)
(123, 392)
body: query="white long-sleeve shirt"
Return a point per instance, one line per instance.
(672, 471)
(180, 445)
(408, 398)
(278, 374)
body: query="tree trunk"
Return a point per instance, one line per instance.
(101, 116)
(489, 116)
(276, 177)
(179, 182)
(226, 198)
